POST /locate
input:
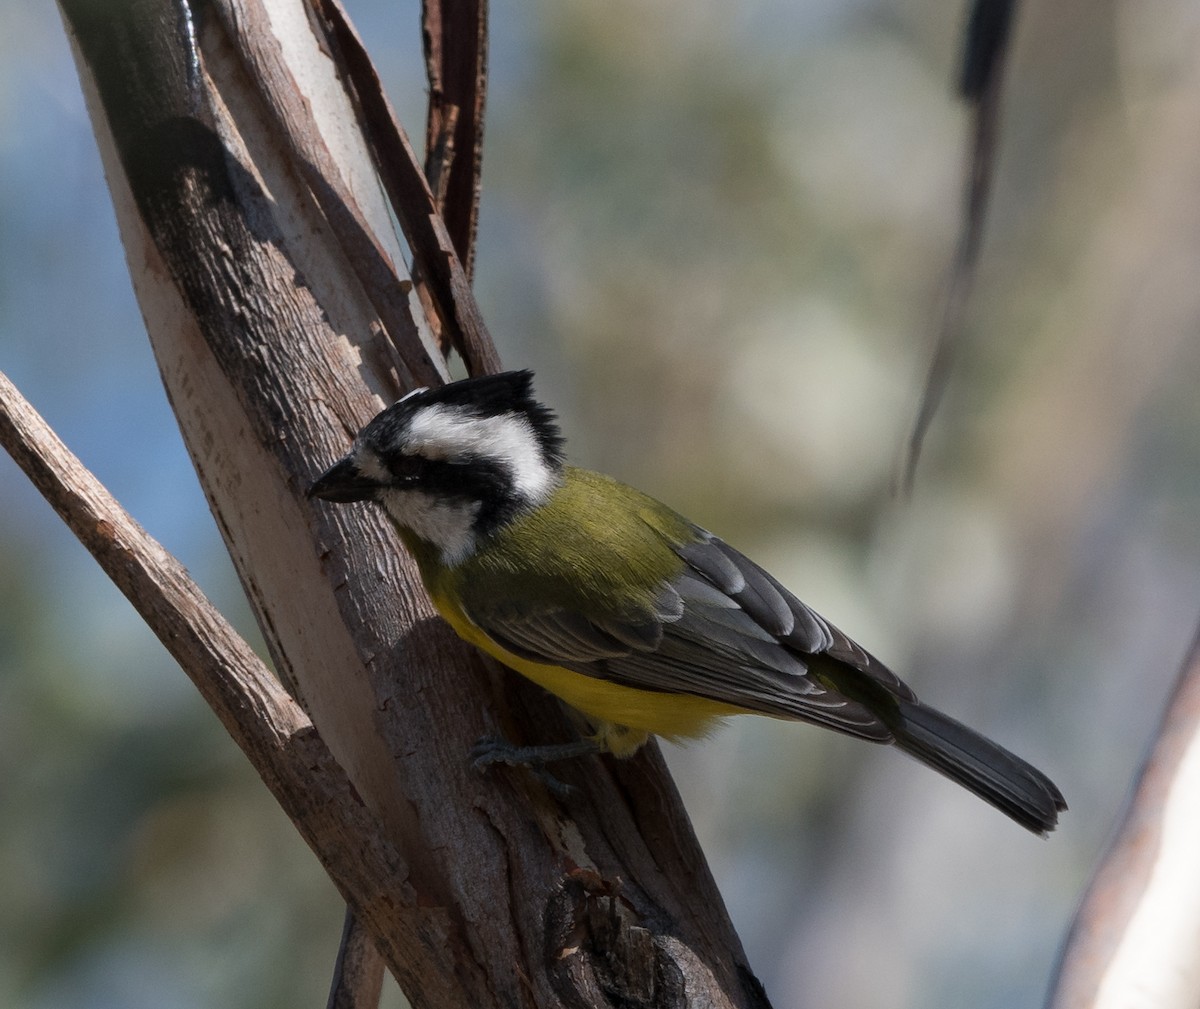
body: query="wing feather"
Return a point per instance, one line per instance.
(810, 632)
(722, 628)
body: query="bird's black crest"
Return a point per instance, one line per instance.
(485, 396)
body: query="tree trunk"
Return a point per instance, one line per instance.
(273, 291)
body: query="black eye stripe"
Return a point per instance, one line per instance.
(472, 479)
(405, 467)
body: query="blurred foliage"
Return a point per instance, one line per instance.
(718, 232)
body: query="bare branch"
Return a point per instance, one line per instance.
(440, 156)
(433, 249)
(455, 40)
(358, 973)
(345, 199)
(271, 729)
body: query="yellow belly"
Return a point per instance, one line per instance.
(625, 716)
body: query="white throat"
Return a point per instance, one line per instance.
(447, 525)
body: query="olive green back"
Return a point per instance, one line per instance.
(597, 546)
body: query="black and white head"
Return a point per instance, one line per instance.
(454, 464)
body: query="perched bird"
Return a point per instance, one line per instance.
(634, 616)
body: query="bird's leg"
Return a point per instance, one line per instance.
(496, 750)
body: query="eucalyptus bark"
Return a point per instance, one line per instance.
(276, 301)
(454, 34)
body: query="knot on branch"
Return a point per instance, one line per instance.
(599, 954)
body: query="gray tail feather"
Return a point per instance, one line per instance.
(990, 771)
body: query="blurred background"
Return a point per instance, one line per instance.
(718, 232)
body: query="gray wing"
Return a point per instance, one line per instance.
(723, 629)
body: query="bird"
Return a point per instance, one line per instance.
(640, 620)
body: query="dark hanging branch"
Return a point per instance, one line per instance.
(985, 53)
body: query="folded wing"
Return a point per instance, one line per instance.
(722, 629)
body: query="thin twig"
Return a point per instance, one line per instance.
(438, 159)
(980, 84)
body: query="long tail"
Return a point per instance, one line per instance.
(990, 771)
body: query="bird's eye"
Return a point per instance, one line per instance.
(406, 467)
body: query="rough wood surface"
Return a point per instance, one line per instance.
(264, 313)
(433, 249)
(454, 33)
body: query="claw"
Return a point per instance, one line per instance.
(492, 750)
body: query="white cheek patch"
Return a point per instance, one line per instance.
(442, 432)
(450, 526)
